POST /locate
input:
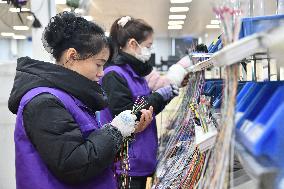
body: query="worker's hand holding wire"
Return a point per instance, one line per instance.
(185, 80)
(175, 90)
(177, 73)
(145, 120)
(168, 92)
(125, 122)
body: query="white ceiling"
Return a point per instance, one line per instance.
(155, 12)
(9, 19)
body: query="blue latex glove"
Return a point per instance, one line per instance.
(168, 92)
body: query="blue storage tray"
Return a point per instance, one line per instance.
(244, 91)
(248, 97)
(257, 103)
(253, 25)
(218, 101)
(264, 135)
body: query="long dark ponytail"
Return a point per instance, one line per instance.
(134, 28)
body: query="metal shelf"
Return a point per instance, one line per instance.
(260, 170)
(200, 66)
(261, 42)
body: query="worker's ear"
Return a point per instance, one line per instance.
(132, 44)
(71, 54)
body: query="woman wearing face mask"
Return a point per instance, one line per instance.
(123, 82)
(58, 142)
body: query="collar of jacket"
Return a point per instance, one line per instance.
(140, 69)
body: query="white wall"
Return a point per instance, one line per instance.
(7, 122)
(5, 49)
(25, 48)
(12, 49)
(44, 10)
(162, 48)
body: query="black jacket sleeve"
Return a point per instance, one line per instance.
(120, 97)
(59, 141)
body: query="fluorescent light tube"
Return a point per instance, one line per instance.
(175, 22)
(181, 1)
(177, 17)
(20, 27)
(215, 22)
(19, 37)
(12, 9)
(212, 26)
(175, 27)
(179, 9)
(7, 34)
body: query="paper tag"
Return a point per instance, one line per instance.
(206, 140)
(246, 126)
(238, 116)
(255, 132)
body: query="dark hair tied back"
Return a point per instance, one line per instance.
(68, 30)
(133, 28)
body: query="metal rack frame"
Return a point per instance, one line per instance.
(271, 44)
(259, 170)
(248, 46)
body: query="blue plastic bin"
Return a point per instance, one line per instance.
(253, 25)
(264, 135)
(257, 103)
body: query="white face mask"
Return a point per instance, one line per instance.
(144, 55)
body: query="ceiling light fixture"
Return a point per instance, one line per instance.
(7, 34)
(25, 9)
(30, 17)
(179, 9)
(20, 27)
(175, 27)
(212, 26)
(215, 22)
(14, 9)
(176, 22)
(19, 37)
(18, 9)
(181, 1)
(177, 17)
